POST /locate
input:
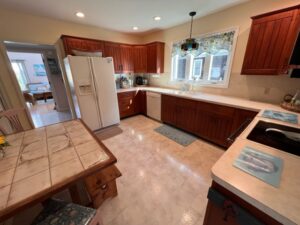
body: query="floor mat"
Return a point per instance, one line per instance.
(176, 135)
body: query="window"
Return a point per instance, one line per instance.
(210, 64)
(198, 64)
(21, 73)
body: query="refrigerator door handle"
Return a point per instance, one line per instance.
(92, 74)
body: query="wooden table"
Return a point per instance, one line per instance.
(44, 161)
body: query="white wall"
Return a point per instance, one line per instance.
(29, 60)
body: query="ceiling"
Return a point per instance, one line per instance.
(122, 15)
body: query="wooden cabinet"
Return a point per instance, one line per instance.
(102, 185)
(155, 57)
(141, 102)
(225, 208)
(213, 122)
(148, 58)
(127, 59)
(114, 50)
(168, 105)
(271, 41)
(126, 103)
(82, 44)
(186, 114)
(132, 103)
(140, 58)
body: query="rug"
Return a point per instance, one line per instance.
(176, 135)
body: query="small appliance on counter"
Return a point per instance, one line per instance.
(141, 81)
(291, 103)
(124, 82)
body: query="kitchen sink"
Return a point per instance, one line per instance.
(277, 136)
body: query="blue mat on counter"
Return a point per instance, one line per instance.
(264, 166)
(176, 135)
(286, 117)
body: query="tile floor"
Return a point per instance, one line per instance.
(163, 183)
(43, 113)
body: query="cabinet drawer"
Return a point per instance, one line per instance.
(96, 181)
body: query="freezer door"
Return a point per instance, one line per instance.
(81, 75)
(106, 90)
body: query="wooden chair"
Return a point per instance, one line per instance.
(12, 115)
(63, 213)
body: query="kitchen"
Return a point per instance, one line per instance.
(185, 120)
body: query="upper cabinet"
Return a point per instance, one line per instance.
(81, 44)
(155, 57)
(113, 50)
(272, 39)
(140, 58)
(148, 58)
(127, 58)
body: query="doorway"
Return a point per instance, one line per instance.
(40, 80)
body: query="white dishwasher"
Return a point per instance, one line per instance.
(154, 105)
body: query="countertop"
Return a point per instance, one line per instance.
(47, 159)
(283, 203)
(212, 98)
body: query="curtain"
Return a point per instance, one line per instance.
(210, 44)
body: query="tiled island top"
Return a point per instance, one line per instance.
(41, 161)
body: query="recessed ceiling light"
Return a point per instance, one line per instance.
(80, 14)
(135, 28)
(157, 18)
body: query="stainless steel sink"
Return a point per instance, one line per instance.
(284, 138)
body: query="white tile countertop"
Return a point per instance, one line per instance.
(282, 203)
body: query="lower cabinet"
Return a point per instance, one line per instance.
(225, 208)
(132, 103)
(212, 122)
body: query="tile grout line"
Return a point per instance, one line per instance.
(74, 145)
(15, 170)
(46, 132)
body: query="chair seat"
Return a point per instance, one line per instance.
(62, 213)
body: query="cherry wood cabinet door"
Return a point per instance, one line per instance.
(140, 58)
(168, 106)
(82, 44)
(214, 122)
(141, 102)
(186, 114)
(155, 57)
(126, 58)
(271, 41)
(114, 50)
(126, 104)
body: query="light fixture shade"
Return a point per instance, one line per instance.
(190, 44)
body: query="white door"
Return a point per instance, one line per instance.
(84, 89)
(106, 90)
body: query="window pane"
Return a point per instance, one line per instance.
(181, 68)
(218, 67)
(20, 72)
(198, 67)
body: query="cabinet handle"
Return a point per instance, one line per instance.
(229, 209)
(104, 186)
(238, 131)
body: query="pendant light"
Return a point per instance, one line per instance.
(190, 44)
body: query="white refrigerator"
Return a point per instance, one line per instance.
(93, 90)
